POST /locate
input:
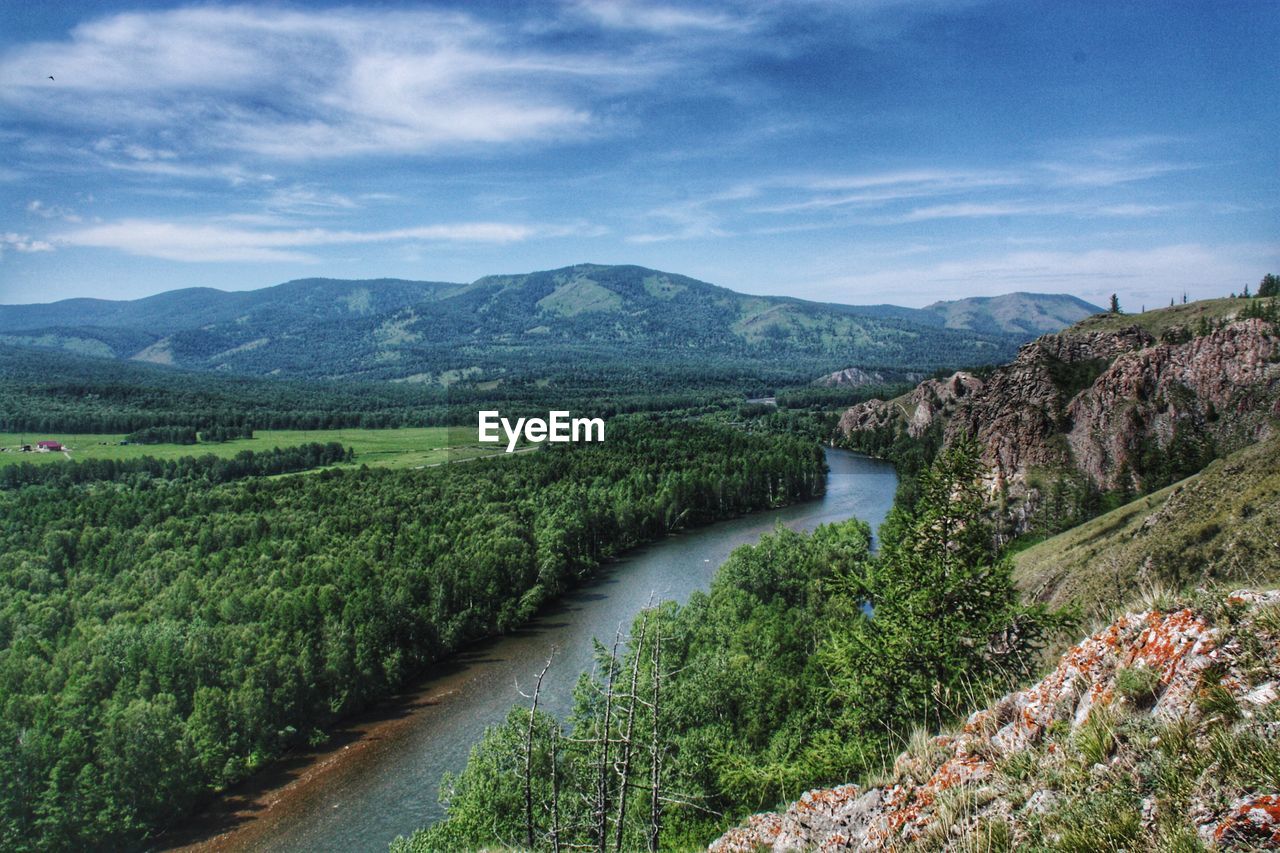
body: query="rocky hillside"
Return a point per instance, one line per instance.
(1121, 401)
(933, 401)
(1161, 731)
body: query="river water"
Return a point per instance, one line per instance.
(395, 790)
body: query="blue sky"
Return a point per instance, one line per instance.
(858, 151)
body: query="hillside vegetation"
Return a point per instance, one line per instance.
(1155, 733)
(520, 326)
(1221, 525)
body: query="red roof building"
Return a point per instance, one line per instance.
(49, 445)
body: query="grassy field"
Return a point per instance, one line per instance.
(1219, 526)
(399, 448)
(1159, 318)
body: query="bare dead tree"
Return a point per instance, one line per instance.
(655, 751)
(528, 755)
(555, 790)
(624, 764)
(602, 780)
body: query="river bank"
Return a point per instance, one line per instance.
(378, 776)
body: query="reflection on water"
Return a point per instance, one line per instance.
(395, 792)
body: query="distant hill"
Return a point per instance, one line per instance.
(306, 299)
(1030, 314)
(505, 326)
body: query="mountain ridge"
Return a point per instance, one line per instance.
(1019, 312)
(495, 326)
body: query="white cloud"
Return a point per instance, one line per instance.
(655, 18)
(36, 207)
(205, 241)
(22, 243)
(302, 199)
(690, 220)
(1109, 175)
(879, 188)
(323, 83)
(1022, 207)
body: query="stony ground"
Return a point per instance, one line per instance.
(1161, 731)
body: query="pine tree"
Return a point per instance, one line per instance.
(946, 617)
(1270, 285)
(1115, 304)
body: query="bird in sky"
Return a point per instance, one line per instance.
(50, 76)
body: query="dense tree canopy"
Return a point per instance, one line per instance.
(207, 468)
(160, 638)
(806, 663)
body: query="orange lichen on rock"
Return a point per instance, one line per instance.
(1178, 647)
(1252, 820)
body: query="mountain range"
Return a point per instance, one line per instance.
(517, 325)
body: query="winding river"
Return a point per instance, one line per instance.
(380, 777)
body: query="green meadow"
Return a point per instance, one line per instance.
(407, 447)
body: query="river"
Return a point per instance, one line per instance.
(380, 778)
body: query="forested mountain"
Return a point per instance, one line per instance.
(286, 304)
(1029, 314)
(502, 327)
(45, 390)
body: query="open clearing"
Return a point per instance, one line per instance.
(398, 448)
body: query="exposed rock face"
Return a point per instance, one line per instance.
(1018, 414)
(851, 377)
(931, 399)
(1183, 650)
(1089, 403)
(1226, 383)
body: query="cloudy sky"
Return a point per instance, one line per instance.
(858, 151)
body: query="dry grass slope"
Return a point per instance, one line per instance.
(1220, 525)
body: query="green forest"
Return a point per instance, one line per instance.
(48, 391)
(775, 681)
(208, 468)
(164, 631)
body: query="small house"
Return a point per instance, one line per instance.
(51, 446)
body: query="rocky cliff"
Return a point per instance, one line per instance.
(1104, 399)
(1161, 730)
(918, 410)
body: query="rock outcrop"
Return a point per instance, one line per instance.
(852, 377)
(1090, 727)
(1226, 384)
(1099, 403)
(930, 401)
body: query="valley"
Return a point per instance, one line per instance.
(633, 426)
(324, 771)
